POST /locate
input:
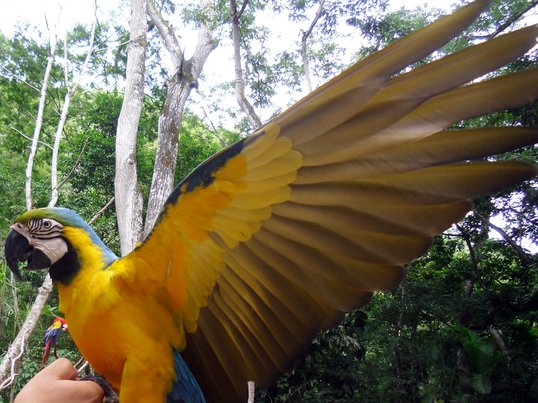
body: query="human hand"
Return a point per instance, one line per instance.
(57, 383)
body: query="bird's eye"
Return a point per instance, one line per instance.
(47, 224)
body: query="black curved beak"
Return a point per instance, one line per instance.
(18, 249)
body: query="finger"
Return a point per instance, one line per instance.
(62, 368)
(80, 391)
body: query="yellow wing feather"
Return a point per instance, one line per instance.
(279, 235)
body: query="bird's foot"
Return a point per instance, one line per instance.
(110, 395)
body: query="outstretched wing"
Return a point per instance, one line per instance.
(277, 236)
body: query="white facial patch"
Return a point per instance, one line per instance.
(54, 248)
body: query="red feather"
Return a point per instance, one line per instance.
(50, 338)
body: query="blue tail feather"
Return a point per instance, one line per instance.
(185, 388)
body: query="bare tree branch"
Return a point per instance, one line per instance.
(29, 138)
(101, 211)
(304, 40)
(519, 250)
(76, 164)
(20, 79)
(243, 8)
(251, 391)
(253, 119)
(213, 128)
(39, 123)
(513, 19)
(13, 372)
(15, 352)
(71, 89)
(167, 34)
(474, 260)
(500, 342)
(504, 26)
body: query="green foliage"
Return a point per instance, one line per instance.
(481, 355)
(330, 369)
(197, 143)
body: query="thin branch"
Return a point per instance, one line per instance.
(66, 63)
(243, 8)
(308, 32)
(213, 128)
(29, 138)
(504, 26)
(20, 79)
(253, 119)
(96, 216)
(15, 297)
(167, 34)
(65, 108)
(91, 51)
(119, 45)
(13, 370)
(513, 19)
(519, 250)
(467, 239)
(76, 164)
(398, 344)
(492, 330)
(304, 39)
(82, 367)
(474, 259)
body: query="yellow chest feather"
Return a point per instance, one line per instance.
(111, 322)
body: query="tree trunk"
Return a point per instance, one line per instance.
(38, 124)
(15, 352)
(162, 182)
(518, 249)
(182, 80)
(253, 119)
(463, 363)
(398, 367)
(127, 194)
(304, 39)
(70, 90)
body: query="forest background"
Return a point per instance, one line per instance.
(461, 327)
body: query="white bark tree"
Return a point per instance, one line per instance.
(127, 194)
(253, 119)
(182, 79)
(304, 46)
(71, 88)
(39, 123)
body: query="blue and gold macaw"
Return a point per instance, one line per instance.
(277, 236)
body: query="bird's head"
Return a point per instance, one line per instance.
(59, 323)
(46, 238)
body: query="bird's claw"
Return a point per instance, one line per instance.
(110, 395)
